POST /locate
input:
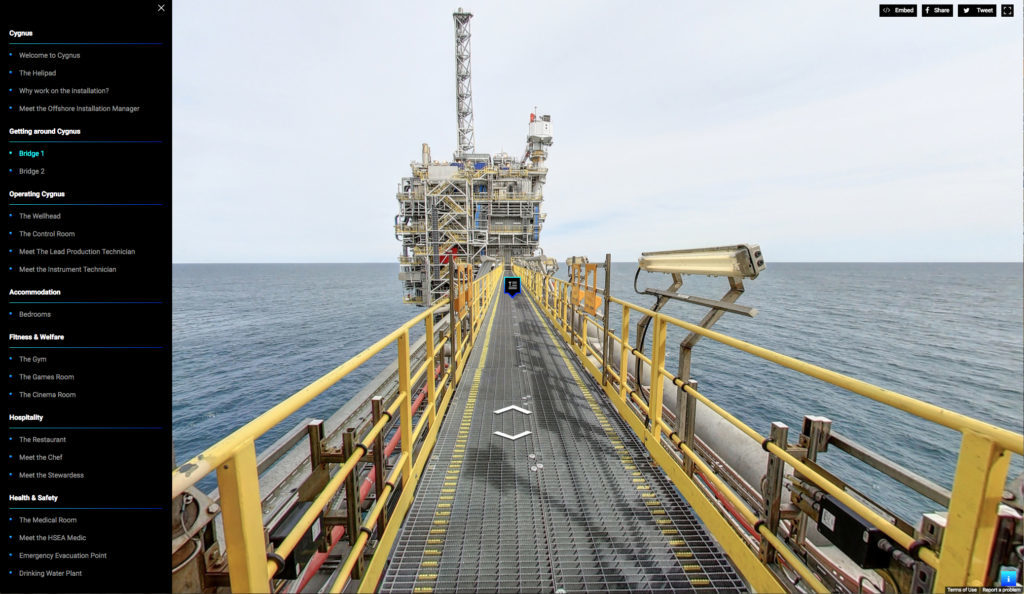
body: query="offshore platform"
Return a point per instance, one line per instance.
(474, 207)
(524, 439)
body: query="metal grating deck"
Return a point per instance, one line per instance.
(572, 506)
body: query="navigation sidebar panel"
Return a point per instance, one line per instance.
(88, 443)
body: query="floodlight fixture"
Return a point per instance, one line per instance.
(733, 261)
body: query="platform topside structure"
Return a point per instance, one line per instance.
(473, 206)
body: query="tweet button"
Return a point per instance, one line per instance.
(975, 10)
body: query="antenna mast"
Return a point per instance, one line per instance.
(463, 88)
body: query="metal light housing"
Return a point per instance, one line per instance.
(734, 261)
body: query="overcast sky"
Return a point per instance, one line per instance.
(816, 129)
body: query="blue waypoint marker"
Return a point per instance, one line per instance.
(512, 286)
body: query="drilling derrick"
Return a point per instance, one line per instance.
(475, 207)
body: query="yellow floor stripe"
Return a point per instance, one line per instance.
(443, 510)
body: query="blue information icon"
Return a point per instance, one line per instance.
(512, 284)
(1007, 578)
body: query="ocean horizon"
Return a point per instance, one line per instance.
(246, 335)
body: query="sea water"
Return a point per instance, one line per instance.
(248, 335)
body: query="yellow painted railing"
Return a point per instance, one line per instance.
(978, 484)
(250, 563)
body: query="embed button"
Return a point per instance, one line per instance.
(897, 10)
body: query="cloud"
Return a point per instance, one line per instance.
(818, 130)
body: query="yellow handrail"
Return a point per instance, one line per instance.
(980, 474)
(234, 457)
(929, 412)
(195, 469)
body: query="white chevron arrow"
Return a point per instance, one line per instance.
(511, 407)
(512, 437)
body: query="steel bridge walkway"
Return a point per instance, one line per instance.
(572, 505)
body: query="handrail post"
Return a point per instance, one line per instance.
(453, 360)
(242, 511)
(543, 293)
(772, 491)
(458, 344)
(583, 335)
(481, 305)
(973, 509)
(472, 309)
(571, 314)
(380, 471)
(624, 357)
(607, 308)
(686, 423)
(431, 373)
(561, 307)
(686, 404)
(657, 362)
(318, 476)
(353, 519)
(814, 437)
(405, 406)
(567, 311)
